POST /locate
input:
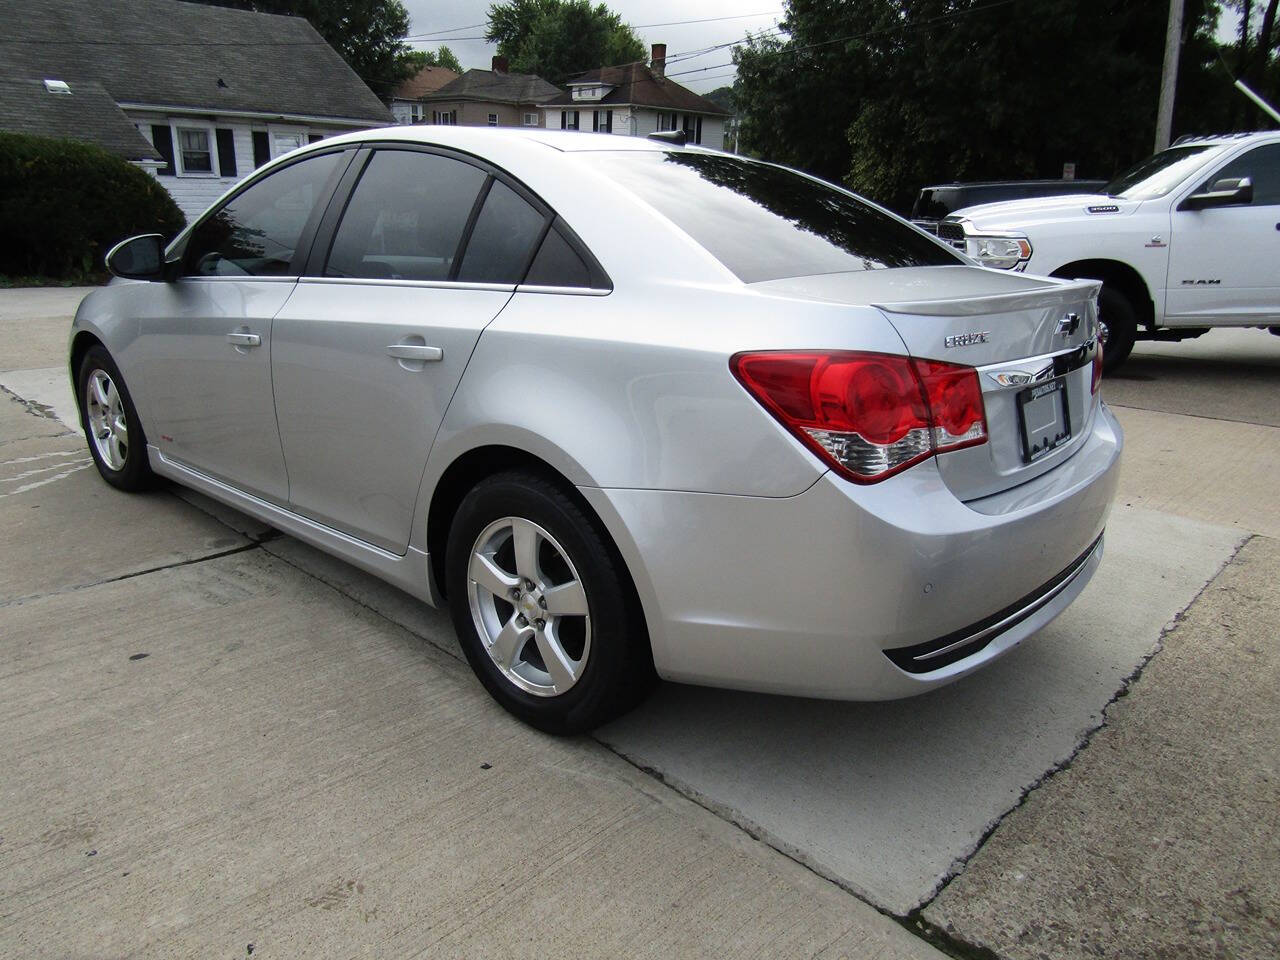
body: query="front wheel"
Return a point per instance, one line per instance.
(1118, 322)
(111, 425)
(544, 612)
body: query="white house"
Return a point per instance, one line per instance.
(216, 92)
(636, 100)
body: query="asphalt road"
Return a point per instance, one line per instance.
(214, 736)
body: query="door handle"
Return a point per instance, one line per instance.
(244, 339)
(414, 351)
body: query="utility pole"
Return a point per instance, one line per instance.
(1169, 78)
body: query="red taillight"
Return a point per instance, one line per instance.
(1097, 368)
(868, 415)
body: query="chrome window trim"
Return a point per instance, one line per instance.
(563, 291)
(389, 282)
(248, 277)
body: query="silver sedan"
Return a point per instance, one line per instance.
(634, 409)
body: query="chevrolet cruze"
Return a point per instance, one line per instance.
(631, 408)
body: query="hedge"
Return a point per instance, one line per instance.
(64, 204)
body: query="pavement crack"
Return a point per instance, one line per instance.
(935, 934)
(243, 548)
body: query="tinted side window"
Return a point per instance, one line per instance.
(406, 217)
(1262, 165)
(256, 233)
(503, 239)
(558, 265)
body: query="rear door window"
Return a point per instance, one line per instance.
(406, 218)
(502, 242)
(765, 222)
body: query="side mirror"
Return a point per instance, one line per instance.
(138, 258)
(1222, 193)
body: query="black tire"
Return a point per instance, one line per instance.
(616, 667)
(134, 473)
(1121, 319)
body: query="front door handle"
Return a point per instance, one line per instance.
(244, 339)
(414, 351)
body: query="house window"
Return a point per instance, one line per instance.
(284, 140)
(602, 121)
(445, 117)
(493, 119)
(417, 112)
(530, 119)
(569, 120)
(195, 152)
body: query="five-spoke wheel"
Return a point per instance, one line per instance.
(110, 422)
(543, 607)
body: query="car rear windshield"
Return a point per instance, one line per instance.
(765, 222)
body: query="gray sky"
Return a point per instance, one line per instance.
(701, 73)
(431, 16)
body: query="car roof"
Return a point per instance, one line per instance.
(1225, 139)
(481, 138)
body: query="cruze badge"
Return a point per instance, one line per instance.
(1068, 325)
(966, 339)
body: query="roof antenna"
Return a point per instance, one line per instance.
(678, 137)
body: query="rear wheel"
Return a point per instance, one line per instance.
(110, 423)
(544, 612)
(1118, 323)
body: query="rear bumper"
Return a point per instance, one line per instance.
(819, 594)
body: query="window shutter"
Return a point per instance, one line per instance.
(595, 121)
(608, 121)
(226, 152)
(261, 148)
(698, 137)
(162, 138)
(564, 120)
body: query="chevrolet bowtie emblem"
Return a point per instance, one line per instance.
(1068, 325)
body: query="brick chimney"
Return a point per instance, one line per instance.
(500, 65)
(658, 62)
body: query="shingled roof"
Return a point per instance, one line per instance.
(638, 85)
(168, 53)
(495, 87)
(88, 113)
(427, 80)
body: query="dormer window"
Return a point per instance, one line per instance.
(58, 86)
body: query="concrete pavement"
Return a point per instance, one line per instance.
(288, 839)
(207, 751)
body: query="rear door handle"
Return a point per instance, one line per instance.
(413, 351)
(244, 339)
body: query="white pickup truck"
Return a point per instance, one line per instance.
(1187, 240)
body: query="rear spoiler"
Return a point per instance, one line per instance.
(1061, 292)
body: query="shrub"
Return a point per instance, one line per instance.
(64, 204)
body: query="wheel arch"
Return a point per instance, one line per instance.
(81, 343)
(470, 468)
(1119, 275)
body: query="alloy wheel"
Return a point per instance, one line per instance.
(529, 606)
(108, 427)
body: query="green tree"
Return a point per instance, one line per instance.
(558, 39)
(890, 95)
(368, 34)
(1255, 58)
(443, 57)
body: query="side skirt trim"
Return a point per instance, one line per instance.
(409, 572)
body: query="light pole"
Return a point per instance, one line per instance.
(1169, 77)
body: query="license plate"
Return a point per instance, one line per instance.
(1043, 416)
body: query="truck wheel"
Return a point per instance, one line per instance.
(1119, 323)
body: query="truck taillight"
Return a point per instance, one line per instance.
(1097, 368)
(867, 415)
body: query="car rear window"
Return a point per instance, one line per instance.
(765, 222)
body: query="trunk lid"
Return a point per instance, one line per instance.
(1031, 339)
